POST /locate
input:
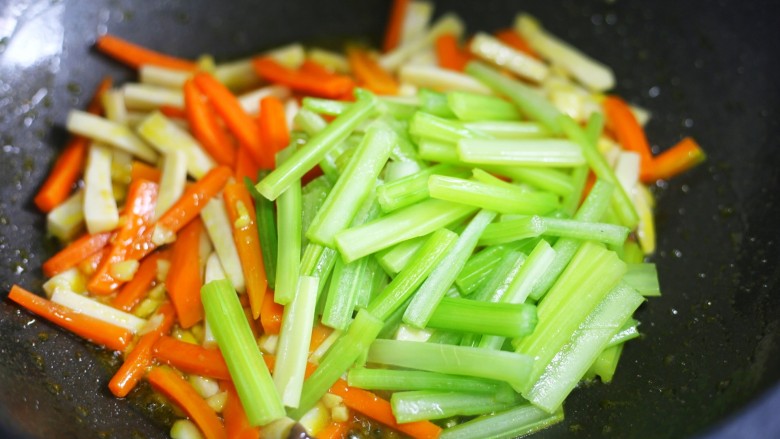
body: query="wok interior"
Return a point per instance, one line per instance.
(710, 343)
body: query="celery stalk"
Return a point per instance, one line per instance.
(473, 107)
(519, 421)
(501, 319)
(395, 258)
(644, 278)
(245, 362)
(423, 405)
(435, 103)
(509, 129)
(521, 152)
(412, 188)
(266, 229)
(438, 128)
(497, 197)
(478, 268)
(288, 214)
(220, 230)
(390, 379)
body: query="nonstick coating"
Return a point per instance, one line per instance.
(704, 69)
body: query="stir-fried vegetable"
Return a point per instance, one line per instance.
(447, 222)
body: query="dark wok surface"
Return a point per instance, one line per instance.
(703, 69)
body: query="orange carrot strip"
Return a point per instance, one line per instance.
(395, 25)
(274, 133)
(141, 171)
(75, 252)
(140, 358)
(186, 208)
(184, 278)
(135, 56)
(334, 86)
(97, 331)
(449, 53)
(245, 165)
(236, 423)
(628, 131)
(369, 73)
(379, 409)
(229, 109)
(138, 212)
(589, 182)
(134, 291)
(90, 264)
(70, 163)
(206, 126)
(168, 382)
(334, 430)
(172, 112)
(191, 358)
(318, 335)
(314, 68)
(271, 314)
(683, 156)
(247, 243)
(515, 41)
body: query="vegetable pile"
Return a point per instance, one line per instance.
(443, 237)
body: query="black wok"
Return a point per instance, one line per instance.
(705, 69)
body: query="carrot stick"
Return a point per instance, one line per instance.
(206, 127)
(168, 382)
(449, 53)
(184, 278)
(70, 163)
(229, 109)
(75, 252)
(379, 409)
(271, 314)
(236, 423)
(334, 86)
(139, 210)
(245, 165)
(514, 40)
(274, 133)
(140, 358)
(97, 331)
(191, 358)
(334, 430)
(369, 73)
(134, 291)
(90, 264)
(318, 335)
(628, 131)
(242, 214)
(395, 25)
(141, 170)
(683, 156)
(314, 68)
(135, 56)
(186, 208)
(173, 112)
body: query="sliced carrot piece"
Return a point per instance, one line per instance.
(140, 358)
(138, 212)
(206, 127)
(245, 165)
(379, 409)
(70, 164)
(97, 331)
(242, 214)
(333, 86)
(274, 133)
(628, 131)
(318, 335)
(135, 56)
(683, 156)
(229, 109)
(90, 264)
(395, 25)
(75, 252)
(271, 314)
(191, 358)
(334, 430)
(184, 278)
(141, 171)
(449, 53)
(168, 382)
(134, 291)
(236, 423)
(369, 73)
(173, 112)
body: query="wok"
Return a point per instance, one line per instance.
(710, 345)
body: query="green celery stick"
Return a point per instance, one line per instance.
(439, 152)
(476, 107)
(443, 276)
(266, 229)
(413, 188)
(438, 128)
(353, 186)
(503, 232)
(312, 197)
(629, 331)
(318, 261)
(315, 149)
(435, 103)
(531, 103)
(431, 253)
(501, 319)
(245, 362)
(606, 363)
(546, 179)
(289, 217)
(390, 379)
(478, 268)
(603, 232)
(423, 405)
(410, 222)
(339, 358)
(644, 278)
(501, 198)
(519, 421)
(521, 152)
(501, 129)
(395, 258)
(510, 367)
